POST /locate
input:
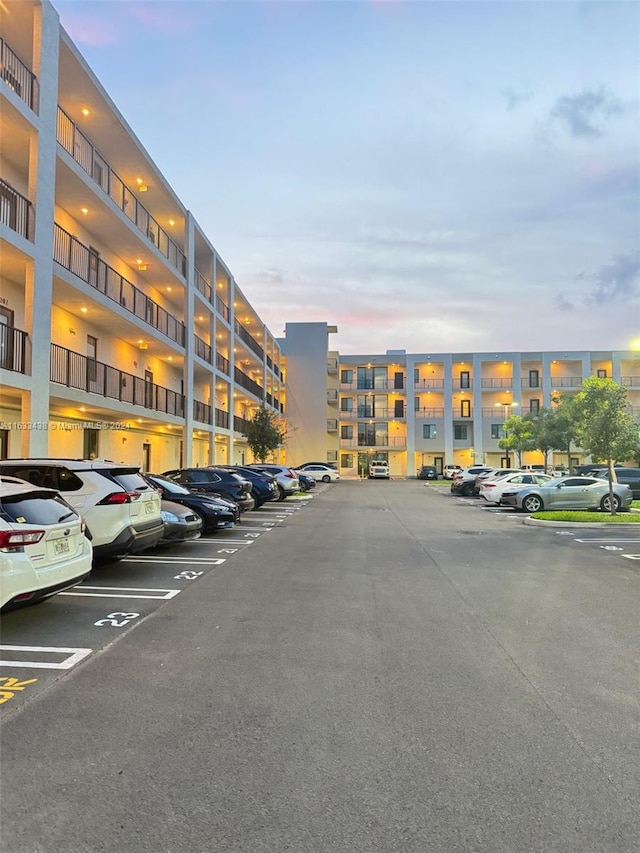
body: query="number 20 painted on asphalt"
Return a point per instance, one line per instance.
(114, 621)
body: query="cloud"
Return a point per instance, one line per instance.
(618, 279)
(585, 114)
(92, 30)
(562, 303)
(515, 98)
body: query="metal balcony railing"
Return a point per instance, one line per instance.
(74, 370)
(222, 308)
(566, 381)
(372, 413)
(202, 412)
(425, 412)
(221, 418)
(248, 383)
(222, 364)
(18, 76)
(381, 441)
(16, 211)
(76, 144)
(429, 384)
(630, 381)
(203, 286)
(240, 425)
(202, 349)
(248, 339)
(504, 382)
(81, 261)
(528, 382)
(15, 350)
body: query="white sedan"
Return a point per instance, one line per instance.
(492, 488)
(321, 473)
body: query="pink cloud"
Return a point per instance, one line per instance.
(93, 30)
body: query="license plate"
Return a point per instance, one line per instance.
(61, 546)
(149, 507)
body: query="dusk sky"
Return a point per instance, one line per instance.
(428, 176)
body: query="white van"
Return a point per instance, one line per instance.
(378, 471)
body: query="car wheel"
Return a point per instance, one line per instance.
(610, 501)
(281, 493)
(532, 503)
(326, 478)
(467, 490)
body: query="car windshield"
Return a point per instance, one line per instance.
(170, 486)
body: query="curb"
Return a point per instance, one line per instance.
(539, 522)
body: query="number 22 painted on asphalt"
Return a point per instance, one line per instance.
(112, 620)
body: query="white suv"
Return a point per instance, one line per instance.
(121, 509)
(43, 549)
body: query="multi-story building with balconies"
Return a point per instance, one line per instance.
(122, 332)
(436, 409)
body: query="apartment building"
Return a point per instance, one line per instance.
(123, 334)
(436, 409)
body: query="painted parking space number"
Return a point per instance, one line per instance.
(10, 686)
(116, 620)
(187, 576)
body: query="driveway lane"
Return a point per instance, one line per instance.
(357, 685)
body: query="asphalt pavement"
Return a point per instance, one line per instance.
(383, 667)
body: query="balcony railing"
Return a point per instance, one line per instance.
(247, 383)
(460, 412)
(428, 413)
(240, 425)
(500, 413)
(202, 412)
(81, 261)
(382, 441)
(15, 350)
(372, 413)
(202, 349)
(566, 381)
(221, 418)
(78, 146)
(86, 374)
(462, 384)
(429, 384)
(203, 286)
(222, 364)
(528, 382)
(250, 341)
(374, 385)
(630, 381)
(16, 211)
(222, 309)
(504, 382)
(17, 75)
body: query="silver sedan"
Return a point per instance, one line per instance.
(569, 493)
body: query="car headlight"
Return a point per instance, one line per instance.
(213, 506)
(170, 517)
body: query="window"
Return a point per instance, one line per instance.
(372, 377)
(346, 377)
(416, 404)
(465, 381)
(534, 406)
(428, 430)
(346, 460)
(346, 431)
(416, 374)
(534, 379)
(497, 431)
(90, 444)
(346, 404)
(602, 374)
(465, 408)
(460, 432)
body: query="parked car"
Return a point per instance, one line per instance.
(569, 493)
(121, 510)
(449, 470)
(215, 481)
(630, 476)
(263, 485)
(379, 471)
(286, 478)
(428, 472)
(492, 488)
(304, 465)
(464, 481)
(216, 513)
(492, 473)
(43, 547)
(306, 482)
(321, 473)
(181, 524)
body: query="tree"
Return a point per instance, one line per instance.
(555, 429)
(519, 435)
(264, 434)
(605, 428)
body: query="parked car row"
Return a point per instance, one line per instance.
(533, 491)
(59, 516)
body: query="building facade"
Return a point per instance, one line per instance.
(123, 334)
(410, 410)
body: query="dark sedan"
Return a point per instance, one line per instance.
(216, 514)
(306, 482)
(181, 523)
(428, 472)
(263, 484)
(216, 481)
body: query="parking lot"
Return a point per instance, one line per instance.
(384, 666)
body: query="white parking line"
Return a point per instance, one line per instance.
(224, 541)
(142, 559)
(122, 592)
(608, 539)
(73, 656)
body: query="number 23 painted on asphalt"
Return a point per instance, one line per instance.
(113, 620)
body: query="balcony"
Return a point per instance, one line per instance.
(74, 370)
(250, 341)
(222, 309)
(332, 365)
(222, 364)
(503, 382)
(247, 383)
(202, 349)
(240, 425)
(462, 384)
(17, 75)
(15, 350)
(221, 418)
(332, 425)
(76, 144)
(464, 412)
(203, 286)
(382, 441)
(332, 395)
(202, 412)
(16, 211)
(529, 383)
(497, 413)
(422, 413)
(429, 384)
(82, 262)
(630, 381)
(566, 382)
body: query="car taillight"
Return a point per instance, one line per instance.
(14, 540)
(487, 485)
(290, 474)
(120, 498)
